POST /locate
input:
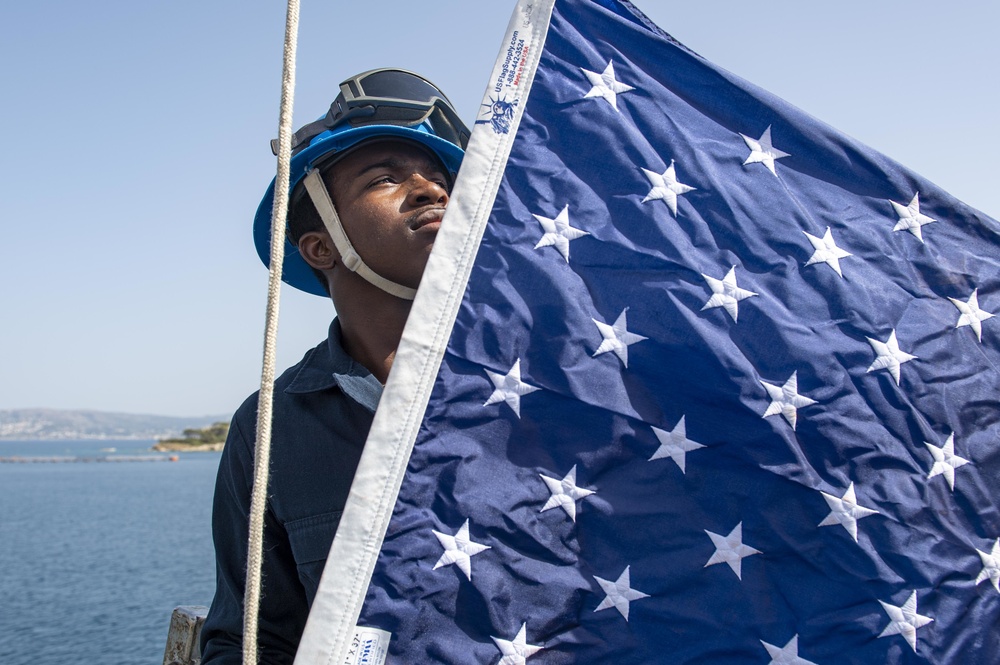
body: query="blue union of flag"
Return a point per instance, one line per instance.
(691, 378)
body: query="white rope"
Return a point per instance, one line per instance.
(262, 455)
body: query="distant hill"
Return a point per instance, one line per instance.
(49, 424)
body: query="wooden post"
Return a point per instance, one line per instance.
(183, 639)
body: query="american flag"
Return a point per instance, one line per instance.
(721, 388)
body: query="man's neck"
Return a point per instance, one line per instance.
(371, 323)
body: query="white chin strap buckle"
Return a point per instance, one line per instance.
(349, 256)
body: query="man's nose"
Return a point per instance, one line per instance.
(424, 191)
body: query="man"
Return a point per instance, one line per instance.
(369, 186)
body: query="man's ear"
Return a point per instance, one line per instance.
(317, 248)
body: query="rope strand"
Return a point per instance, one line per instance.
(262, 455)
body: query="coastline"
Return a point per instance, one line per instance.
(167, 447)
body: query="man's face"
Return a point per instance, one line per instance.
(390, 195)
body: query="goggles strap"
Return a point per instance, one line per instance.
(320, 197)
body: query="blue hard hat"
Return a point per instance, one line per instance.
(382, 103)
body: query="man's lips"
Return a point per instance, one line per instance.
(425, 217)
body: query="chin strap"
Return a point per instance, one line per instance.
(349, 256)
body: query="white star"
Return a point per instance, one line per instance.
(666, 187)
(846, 511)
(558, 232)
(617, 338)
(945, 460)
(565, 493)
(730, 549)
(509, 388)
(606, 85)
(826, 251)
(991, 566)
(516, 651)
(619, 593)
(786, 655)
(785, 399)
(970, 314)
(726, 293)
(910, 217)
(459, 550)
(888, 356)
(904, 620)
(761, 150)
(674, 444)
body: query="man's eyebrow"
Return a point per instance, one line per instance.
(388, 163)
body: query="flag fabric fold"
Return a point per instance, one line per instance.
(692, 378)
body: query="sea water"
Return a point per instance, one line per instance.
(94, 556)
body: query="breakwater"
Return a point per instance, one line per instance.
(63, 459)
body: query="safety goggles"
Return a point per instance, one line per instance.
(387, 97)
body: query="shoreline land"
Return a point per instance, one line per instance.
(203, 439)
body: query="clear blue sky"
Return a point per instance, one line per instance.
(135, 151)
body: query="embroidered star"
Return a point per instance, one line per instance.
(617, 338)
(910, 217)
(606, 85)
(945, 460)
(558, 232)
(888, 356)
(565, 493)
(726, 293)
(730, 549)
(846, 511)
(509, 388)
(991, 566)
(459, 550)
(970, 314)
(826, 251)
(666, 187)
(785, 399)
(516, 651)
(674, 444)
(619, 593)
(786, 655)
(762, 152)
(904, 620)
